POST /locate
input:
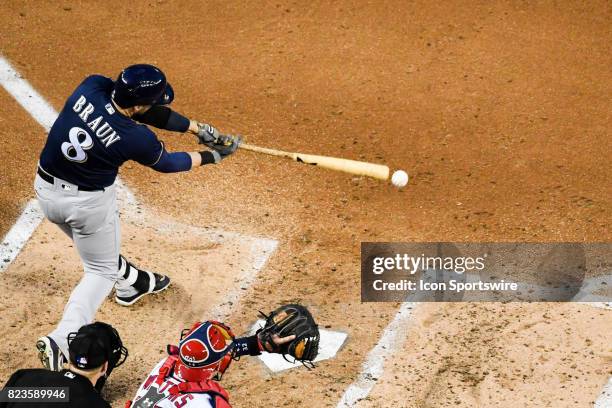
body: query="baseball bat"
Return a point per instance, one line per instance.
(359, 168)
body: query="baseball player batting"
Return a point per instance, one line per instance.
(101, 126)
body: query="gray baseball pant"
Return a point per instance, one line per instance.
(91, 220)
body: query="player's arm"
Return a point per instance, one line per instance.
(184, 161)
(162, 117)
(253, 345)
(147, 150)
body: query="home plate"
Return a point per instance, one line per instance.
(329, 344)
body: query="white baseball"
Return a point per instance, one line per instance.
(399, 178)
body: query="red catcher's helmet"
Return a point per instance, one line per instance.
(205, 351)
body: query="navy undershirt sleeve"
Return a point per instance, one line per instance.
(177, 123)
(156, 116)
(173, 162)
(162, 117)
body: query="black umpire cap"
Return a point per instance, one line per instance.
(89, 348)
(93, 345)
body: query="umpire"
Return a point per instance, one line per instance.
(95, 350)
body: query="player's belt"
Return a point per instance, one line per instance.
(50, 179)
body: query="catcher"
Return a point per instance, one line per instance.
(189, 376)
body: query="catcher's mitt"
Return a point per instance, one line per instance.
(290, 320)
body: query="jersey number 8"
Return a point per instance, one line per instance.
(80, 141)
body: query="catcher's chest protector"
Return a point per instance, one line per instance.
(161, 390)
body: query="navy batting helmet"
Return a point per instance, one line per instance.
(142, 84)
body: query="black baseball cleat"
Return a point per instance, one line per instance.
(49, 354)
(147, 283)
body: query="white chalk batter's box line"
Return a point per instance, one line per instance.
(31, 217)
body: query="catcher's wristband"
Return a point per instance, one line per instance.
(210, 157)
(247, 346)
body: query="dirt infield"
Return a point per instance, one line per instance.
(500, 113)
